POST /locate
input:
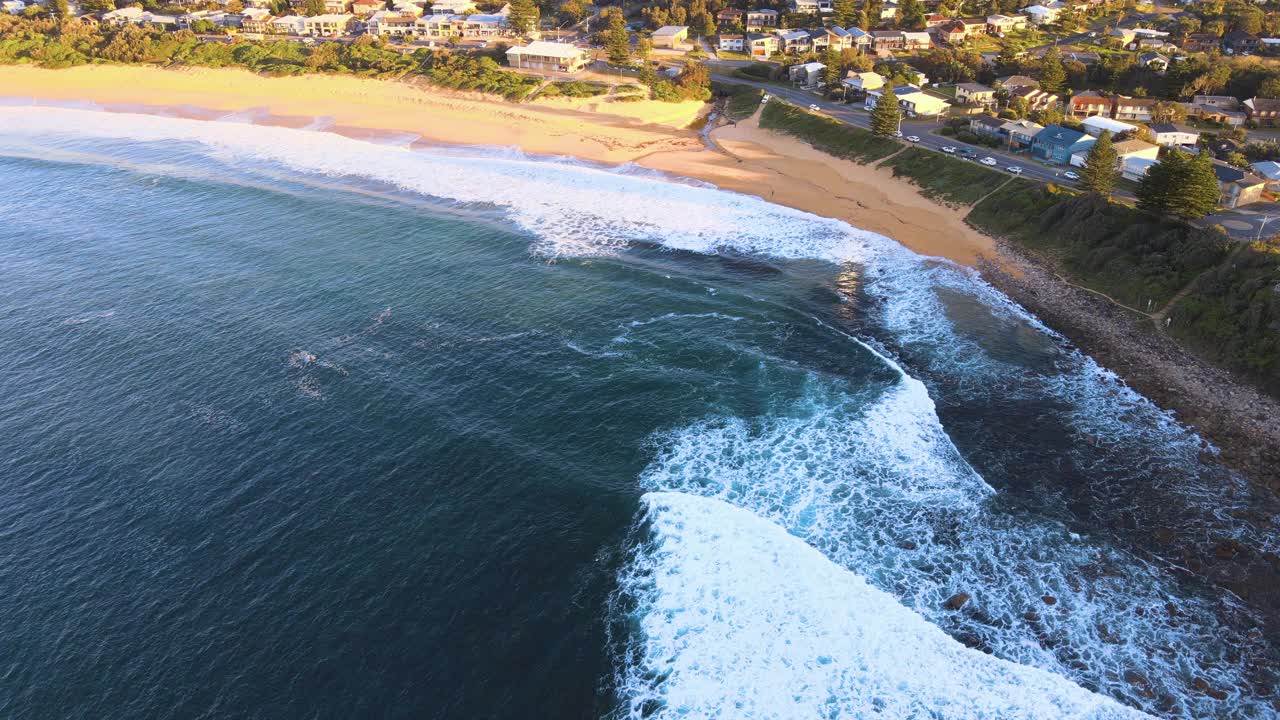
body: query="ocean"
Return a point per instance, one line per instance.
(296, 425)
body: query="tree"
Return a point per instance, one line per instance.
(1053, 77)
(910, 14)
(1237, 159)
(314, 7)
(617, 42)
(886, 115)
(58, 8)
(523, 16)
(1100, 166)
(644, 48)
(1164, 111)
(1156, 189)
(831, 73)
(1180, 185)
(846, 13)
(1198, 196)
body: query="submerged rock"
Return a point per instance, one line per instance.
(1050, 600)
(957, 601)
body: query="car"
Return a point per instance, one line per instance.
(1070, 175)
(897, 133)
(969, 153)
(988, 161)
(814, 107)
(948, 150)
(1014, 169)
(913, 138)
(764, 99)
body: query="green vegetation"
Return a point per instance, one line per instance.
(1127, 254)
(55, 44)
(523, 16)
(617, 41)
(1099, 174)
(693, 83)
(1180, 185)
(755, 71)
(944, 178)
(886, 116)
(574, 89)
(1232, 316)
(830, 136)
(741, 101)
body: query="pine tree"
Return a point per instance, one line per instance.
(831, 73)
(1053, 77)
(1157, 188)
(314, 7)
(617, 42)
(523, 16)
(1197, 195)
(886, 115)
(1100, 166)
(846, 13)
(59, 8)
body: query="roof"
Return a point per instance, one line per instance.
(990, 121)
(974, 87)
(1138, 165)
(1090, 99)
(329, 18)
(1227, 173)
(812, 66)
(547, 49)
(917, 36)
(1011, 81)
(1171, 128)
(1147, 57)
(762, 11)
(1060, 134)
(1134, 102)
(1129, 147)
(1024, 125)
(670, 30)
(1267, 169)
(1263, 104)
(1105, 123)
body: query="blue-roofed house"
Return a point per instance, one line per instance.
(1269, 171)
(1056, 144)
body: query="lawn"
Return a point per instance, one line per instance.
(742, 102)
(939, 177)
(830, 136)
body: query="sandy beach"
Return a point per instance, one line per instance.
(749, 160)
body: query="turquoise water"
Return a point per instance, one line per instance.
(293, 425)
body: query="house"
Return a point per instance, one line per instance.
(1005, 23)
(912, 100)
(731, 17)
(1127, 108)
(1218, 114)
(762, 46)
(1020, 133)
(670, 36)
(1263, 111)
(327, 25)
(1225, 102)
(886, 40)
(453, 7)
(1125, 149)
(13, 7)
(1135, 168)
(1237, 186)
(541, 55)
(287, 25)
(975, 94)
(1036, 99)
(1056, 144)
(916, 41)
(487, 25)
(392, 23)
(859, 39)
(889, 10)
(974, 26)
(757, 19)
(1041, 15)
(935, 20)
(336, 7)
(806, 75)
(1154, 60)
(1200, 42)
(1013, 82)
(1239, 41)
(987, 126)
(792, 42)
(863, 82)
(1171, 135)
(255, 21)
(952, 32)
(811, 7)
(123, 16)
(1087, 104)
(365, 8)
(1095, 124)
(1269, 172)
(1087, 58)
(730, 43)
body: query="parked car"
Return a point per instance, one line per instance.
(764, 99)
(1014, 169)
(948, 150)
(814, 107)
(990, 161)
(969, 153)
(913, 138)
(897, 134)
(1070, 175)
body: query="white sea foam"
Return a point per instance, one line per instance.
(738, 619)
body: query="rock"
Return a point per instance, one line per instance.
(957, 601)
(1203, 686)
(1031, 616)
(908, 545)
(1050, 600)
(1139, 681)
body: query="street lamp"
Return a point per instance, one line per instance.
(1262, 226)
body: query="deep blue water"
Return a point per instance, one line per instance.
(275, 444)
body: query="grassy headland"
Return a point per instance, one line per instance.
(830, 136)
(945, 178)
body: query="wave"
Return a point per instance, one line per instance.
(734, 617)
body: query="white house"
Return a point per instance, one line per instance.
(812, 6)
(1171, 135)
(730, 43)
(124, 15)
(13, 7)
(1126, 150)
(288, 25)
(542, 55)
(327, 24)
(864, 81)
(670, 36)
(807, 74)
(1041, 15)
(913, 102)
(452, 7)
(1269, 171)
(1135, 168)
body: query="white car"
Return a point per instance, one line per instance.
(948, 150)
(1070, 175)
(897, 133)
(988, 161)
(913, 138)
(1014, 169)
(764, 99)
(814, 108)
